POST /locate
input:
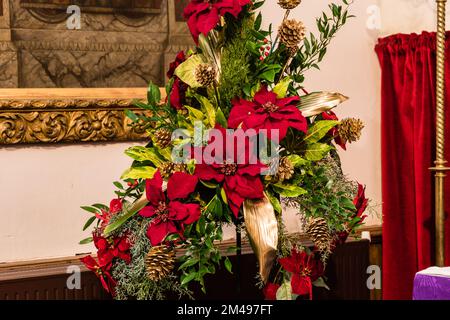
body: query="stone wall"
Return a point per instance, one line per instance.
(121, 43)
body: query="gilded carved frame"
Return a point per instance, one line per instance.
(68, 115)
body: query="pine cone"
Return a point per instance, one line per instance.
(180, 167)
(168, 168)
(289, 4)
(285, 169)
(160, 262)
(318, 232)
(163, 137)
(291, 33)
(205, 74)
(350, 129)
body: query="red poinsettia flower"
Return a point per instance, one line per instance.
(179, 88)
(305, 269)
(102, 271)
(115, 206)
(204, 15)
(334, 132)
(109, 248)
(240, 177)
(361, 202)
(266, 111)
(178, 94)
(270, 291)
(179, 59)
(168, 213)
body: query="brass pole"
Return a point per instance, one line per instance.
(440, 163)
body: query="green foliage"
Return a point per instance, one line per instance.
(314, 47)
(132, 280)
(235, 62)
(202, 255)
(330, 195)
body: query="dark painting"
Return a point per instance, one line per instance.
(143, 6)
(179, 8)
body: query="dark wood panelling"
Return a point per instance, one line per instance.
(346, 277)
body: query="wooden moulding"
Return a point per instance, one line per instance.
(55, 115)
(57, 266)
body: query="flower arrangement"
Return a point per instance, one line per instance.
(235, 139)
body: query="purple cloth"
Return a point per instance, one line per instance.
(430, 287)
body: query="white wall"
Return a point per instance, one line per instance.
(42, 187)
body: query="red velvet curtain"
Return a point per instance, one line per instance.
(408, 150)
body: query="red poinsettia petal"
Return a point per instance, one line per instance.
(264, 95)
(270, 291)
(105, 257)
(181, 185)
(147, 212)
(247, 187)
(100, 242)
(208, 172)
(289, 264)
(241, 110)
(185, 212)
(288, 101)
(208, 21)
(115, 205)
(157, 231)
(178, 94)
(90, 263)
(301, 285)
(256, 121)
(252, 169)
(153, 189)
(235, 200)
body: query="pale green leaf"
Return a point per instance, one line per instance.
(209, 109)
(275, 202)
(319, 129)
(141, 154)
(316, 151)
(296, 160)
(228, 265)
(186, 70)
(284, 292)
(289, 191)
(86, 241)
(188, 278)
(138, 173)
(195, 114)
(320, 283)
(282, 87)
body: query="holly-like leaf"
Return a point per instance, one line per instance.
(139, 173)
(228, 265)
(275, 202)
(296, 160)
(282, 87)
(209, 109)
(289, 190)
(141, 154)
(319, 129)
(316, 151)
